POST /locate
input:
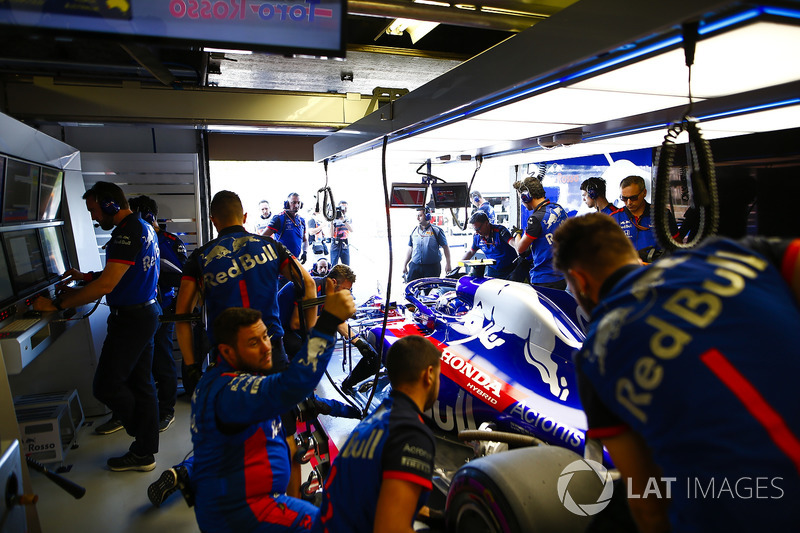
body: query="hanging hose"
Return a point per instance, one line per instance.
(388, 282)
(453, 211)
(328, 205)
(702, 184)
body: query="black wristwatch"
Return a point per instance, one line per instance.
(57, 303)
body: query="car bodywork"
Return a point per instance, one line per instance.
(506, 355)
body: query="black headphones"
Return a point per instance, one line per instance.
(149, 217)
(286, 202)
(108, 206)
(427, 213)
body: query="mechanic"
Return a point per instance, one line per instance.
(320, 268)
(341, 227)
(538, 234)
(290, 227)
(636, 219)
(482, 204)
(237, 269)
(382, 476)
(173, 256)
(263, 219)
(424, 257)
(496, 242)
(343, 278)
(673, 379)
(123, 379)
(242, 461)
(593, 193)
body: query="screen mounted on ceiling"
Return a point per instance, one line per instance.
(408, 195)
(300, 26)
(449, 195)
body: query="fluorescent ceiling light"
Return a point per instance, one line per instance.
(580, 107)
(227, 51)
(417, 29)
(492, 130)
(286, 130)
(432, 3)
(733, 62)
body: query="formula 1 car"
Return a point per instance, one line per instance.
(506, 367)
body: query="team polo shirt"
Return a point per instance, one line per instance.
(425, 243)
(133, 243)
(291, 231)
(544, 220)
(391, 443)
(239, 269)
(496, 247)
(487, 208)
(697, 353)
(609, 209)
(640, 230)
(173, 257)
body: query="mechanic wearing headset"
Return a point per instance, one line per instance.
(636, 219)
(538, 234)
(424, 259)
(483, 205)
(237, 269)
(382, 476)
(674, 382)
(343, 278)
(290, 227)
(320, 268)
(242, 461)
(593, 193)
(496, 243)
(123, 379)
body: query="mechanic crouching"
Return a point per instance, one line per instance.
(242, 461)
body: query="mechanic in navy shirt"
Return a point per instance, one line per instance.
(688, 375)
(482, 204)
(382, 475)
(538, 235)
(593, 193)
(173, 256)
(636, 219)
(290, 227)
(123, 379)
(237, 269)
(496, 242)
(241, 457)
(424, 259)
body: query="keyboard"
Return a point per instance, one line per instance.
(19, 325)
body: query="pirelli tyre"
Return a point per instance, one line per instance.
(518, 491)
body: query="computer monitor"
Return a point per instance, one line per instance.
(56, 260)
(408, 195)
(21, 192)
(50, 194)
(25, 261)
(449, 195)
(6, 288)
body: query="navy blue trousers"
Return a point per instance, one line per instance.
(124, 381)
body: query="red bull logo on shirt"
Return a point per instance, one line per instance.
(239, 264)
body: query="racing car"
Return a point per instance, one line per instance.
(506, 368)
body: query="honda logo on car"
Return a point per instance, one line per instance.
(477, 381)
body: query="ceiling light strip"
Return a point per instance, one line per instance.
(782, 12)
(751, 109)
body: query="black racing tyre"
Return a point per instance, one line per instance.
(517, 491)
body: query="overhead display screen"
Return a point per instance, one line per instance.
(305, 26)
(449, 195)
(408, 195)
(21, 196)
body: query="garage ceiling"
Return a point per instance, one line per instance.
(374, 58)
